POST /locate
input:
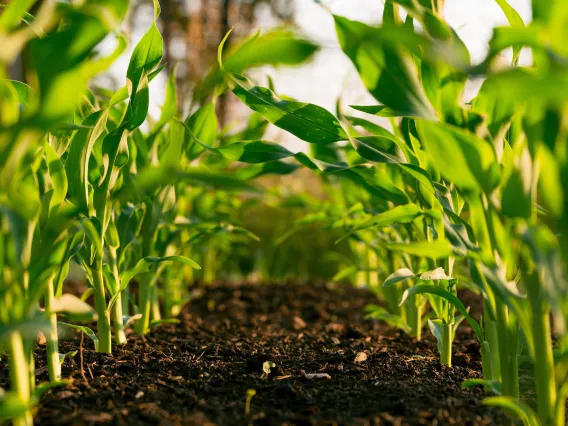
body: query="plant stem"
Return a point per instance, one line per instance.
(492, 339)
(544, 365)
(19, 376)
(52, 349)
(373, 264)
(144, 304)
(156, 314)
(103, 322)
(487, 362)
(508, 340)
(512, 356)
(446, 345)
(414, 316)
(125, 299)
(119, 335)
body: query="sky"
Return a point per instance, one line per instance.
(330, 74)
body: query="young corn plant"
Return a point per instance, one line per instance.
(37, 226)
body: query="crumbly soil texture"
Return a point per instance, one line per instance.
(331, 367)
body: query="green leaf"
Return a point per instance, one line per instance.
(434, 249)
(170, 107)
(23, 90)
(122, 93)
(203, 126)
(154, 177)
(58, 179)
(494, 385)
(77, 163)
(517, 192)
(73, 308)
(279, 46)
(436, 327)
(145, 57)
(127, 320)
(400, 275)
(15, 11)
(254, 152)
(11, 405)
(308, 122)
(550, 188)
(434, 275)
(93, 232)
(400, 214)
(342, 274)
(379, 110)
(63, 357)
(440, 292)
(379, 149)
(516, 407)
(173, 151)
(85, 330)
(515, 21)
(461, 157)
(23, 197)
(62, 61)
(138, 110)
(115, 153)
(383, 59)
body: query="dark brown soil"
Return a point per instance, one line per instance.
(198, 372)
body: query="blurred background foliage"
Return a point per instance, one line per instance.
(192, 31)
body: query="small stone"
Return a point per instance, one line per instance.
(317, 376)
(299, 323)
(361, 357)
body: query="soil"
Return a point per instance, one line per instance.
(198, 372)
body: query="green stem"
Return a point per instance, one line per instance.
(446, 345)
(413, 316)
(492, 339)
(508, 341)
(144, 294)
(103, 321)
(52, 348)
(19, 376)
(125, 299)
(487, 361)
(544, 366)
(119, 334)
(512, 356)
(373, 263)
(156, 314)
